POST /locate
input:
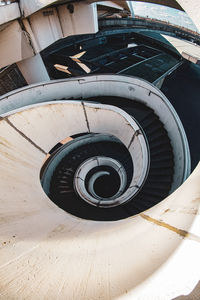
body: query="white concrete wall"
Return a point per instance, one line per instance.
(14, 45)
(30, 7)
(9, 12)
(83, 20)
(46, 253)
(42, 29)
(192, 8)
(29, 31)
(33, 69)
(46, 29)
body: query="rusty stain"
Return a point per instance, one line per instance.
(196, 200)
(168, 210)
(20, 216)
(3, 144)
(181, 232)
(190, 211)
(16, 159)
(96, 108)
(59, 228)
(4, 141)
(66, 140)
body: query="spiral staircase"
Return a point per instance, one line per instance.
(157, 178)
(97, 198)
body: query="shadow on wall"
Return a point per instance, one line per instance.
(194, 295)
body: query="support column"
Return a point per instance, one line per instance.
(33, 69)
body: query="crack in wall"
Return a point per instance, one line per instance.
(23, 135)
(86, 118)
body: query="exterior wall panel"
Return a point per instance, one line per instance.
(46, 27)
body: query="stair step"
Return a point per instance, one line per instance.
(158, 158)
(160, 178)
(150, 121)
(154, 129)
(160, 144)
(153, 192)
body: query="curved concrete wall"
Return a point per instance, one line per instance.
(116, 86)
(47, 253)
